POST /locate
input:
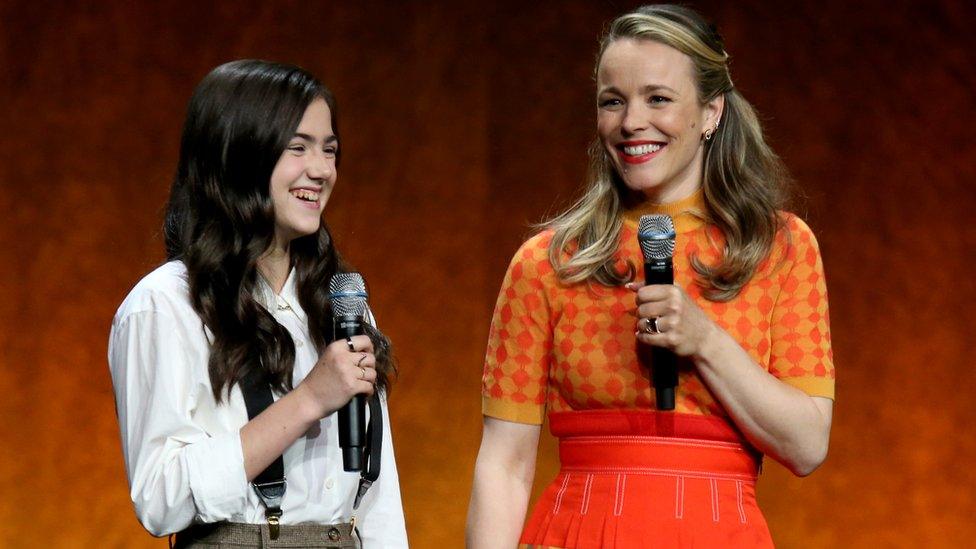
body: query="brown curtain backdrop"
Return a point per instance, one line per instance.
(462, 124)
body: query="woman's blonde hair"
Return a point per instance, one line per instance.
(744, 182)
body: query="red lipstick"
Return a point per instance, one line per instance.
(641, 158)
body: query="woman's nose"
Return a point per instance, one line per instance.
(635, 119)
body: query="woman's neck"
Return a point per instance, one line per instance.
(688, 213)
(659, 196)
(274, 266)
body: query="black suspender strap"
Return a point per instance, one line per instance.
(270, 484)
(373, 451)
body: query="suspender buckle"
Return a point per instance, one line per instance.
(271, 493)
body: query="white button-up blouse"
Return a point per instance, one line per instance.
(183, 451)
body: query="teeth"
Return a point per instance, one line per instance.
(641, 149)
(305, 194)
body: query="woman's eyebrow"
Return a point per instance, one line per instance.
(650, 88)
(331, 138)
(658, 87)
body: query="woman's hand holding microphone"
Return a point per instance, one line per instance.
(667, 317)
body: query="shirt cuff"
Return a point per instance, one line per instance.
(215, 469)
(812, 386)
(532, 414)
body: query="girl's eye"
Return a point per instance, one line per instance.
(296, 147)
(330, 151)
(611, 102)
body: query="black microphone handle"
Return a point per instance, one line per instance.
(352, 416)
(664, 368)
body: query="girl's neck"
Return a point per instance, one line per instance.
(274, 266)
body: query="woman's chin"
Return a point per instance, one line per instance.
(641, 190)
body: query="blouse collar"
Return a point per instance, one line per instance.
(284, 301)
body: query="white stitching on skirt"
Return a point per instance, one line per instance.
(742, 511)
(656, 471)
(586, 494)
(679, 497)
(618, 505)
(559, 494)
(714, 486)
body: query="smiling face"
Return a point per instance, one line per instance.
(650, 119)
(303, 178)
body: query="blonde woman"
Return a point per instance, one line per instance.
(746, 317)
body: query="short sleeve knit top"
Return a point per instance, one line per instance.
(572, 347)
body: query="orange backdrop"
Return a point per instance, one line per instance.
(461, 125)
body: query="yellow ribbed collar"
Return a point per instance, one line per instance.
(688, 213)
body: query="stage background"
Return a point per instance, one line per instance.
(462, 123)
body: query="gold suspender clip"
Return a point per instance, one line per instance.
(271, 495)
(273, 528)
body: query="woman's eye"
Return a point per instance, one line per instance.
(611, 102)
(296, 147)
(330, 151)
(659, 99)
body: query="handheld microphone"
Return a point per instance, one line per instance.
(347, 292)
(656, 238)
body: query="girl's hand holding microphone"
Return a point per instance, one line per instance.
(347, 367)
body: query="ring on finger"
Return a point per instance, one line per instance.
(361, 359)
(650, 326)
(352, 348)
(362, 372)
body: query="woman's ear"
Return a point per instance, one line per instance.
(713, 112)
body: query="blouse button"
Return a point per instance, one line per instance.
(299, 343)
(329, 483)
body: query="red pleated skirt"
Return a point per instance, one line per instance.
(640, 478)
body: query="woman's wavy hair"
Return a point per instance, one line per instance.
(220, 219)
(744, 183)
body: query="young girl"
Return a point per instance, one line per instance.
(243, 299)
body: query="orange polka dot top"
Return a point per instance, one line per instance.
(562, 348)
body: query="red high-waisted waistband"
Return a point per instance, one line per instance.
(651, 442)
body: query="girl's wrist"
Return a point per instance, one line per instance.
(308, 406)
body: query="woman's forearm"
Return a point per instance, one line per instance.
(778, 419)
(498, 505)
(266, 437)
(503, 476)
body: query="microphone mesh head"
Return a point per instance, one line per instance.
(347, 291)
(656, 236)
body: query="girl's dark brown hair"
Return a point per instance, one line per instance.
(220, 220)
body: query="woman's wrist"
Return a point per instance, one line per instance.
(713, 344)
(309, 408)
